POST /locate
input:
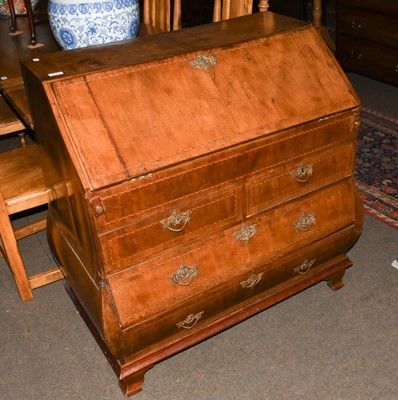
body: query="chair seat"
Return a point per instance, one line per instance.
(9, 122)
(13, 89)
(21, 181)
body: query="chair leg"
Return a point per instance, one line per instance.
(22, 139)
(13, 27)
(32, 27)
(13, 255)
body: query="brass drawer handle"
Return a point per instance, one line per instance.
(245, 232)
(203, 62)
(302, 173)
(305, 222)
(185, 275)
(357, 25)
(356, 55)
(177, 221)
(252, 281)
(304, 267)
(190, 321)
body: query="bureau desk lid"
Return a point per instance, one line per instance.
(225, 86)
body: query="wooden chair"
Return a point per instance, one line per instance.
(14, 92)
(159, 15)
(10, 123)
(22, 189)
(226, 9)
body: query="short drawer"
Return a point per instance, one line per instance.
(300, 222)
(295, 178)
(193, 313)
(145, 238)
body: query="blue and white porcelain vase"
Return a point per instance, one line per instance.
(82, 23)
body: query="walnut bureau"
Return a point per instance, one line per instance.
(197, 178)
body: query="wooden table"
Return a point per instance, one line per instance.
(13, 49)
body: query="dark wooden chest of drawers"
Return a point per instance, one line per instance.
(367, 38)
(197, 178)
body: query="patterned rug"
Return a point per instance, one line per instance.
(377, 165)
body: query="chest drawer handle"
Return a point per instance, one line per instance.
(185, 275)
(356, 55)
(177, 221)
(302, 173)
(357, 25)
(305, 222)
(252, 281)
(304, 267)
(190, 321)
(246, 232)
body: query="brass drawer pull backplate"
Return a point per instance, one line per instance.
(177, 221)
(190, 321)
(246, 232)
(252, 281)
(305, 222)
(185, 275)
(304, 267)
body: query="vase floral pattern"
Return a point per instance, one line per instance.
(92, 22)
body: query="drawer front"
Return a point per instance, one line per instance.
(159, 284)
(368, 58)
(158, 192)
(185, 317)
(149, 288)
(386, 6)
(366, 24)
(301, 222)
(137, 241)
(295, 178)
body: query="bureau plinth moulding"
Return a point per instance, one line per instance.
(197, 178)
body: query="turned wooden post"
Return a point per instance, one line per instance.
(263, 5)
(317, 13)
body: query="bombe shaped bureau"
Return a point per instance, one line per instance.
(197, 177)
